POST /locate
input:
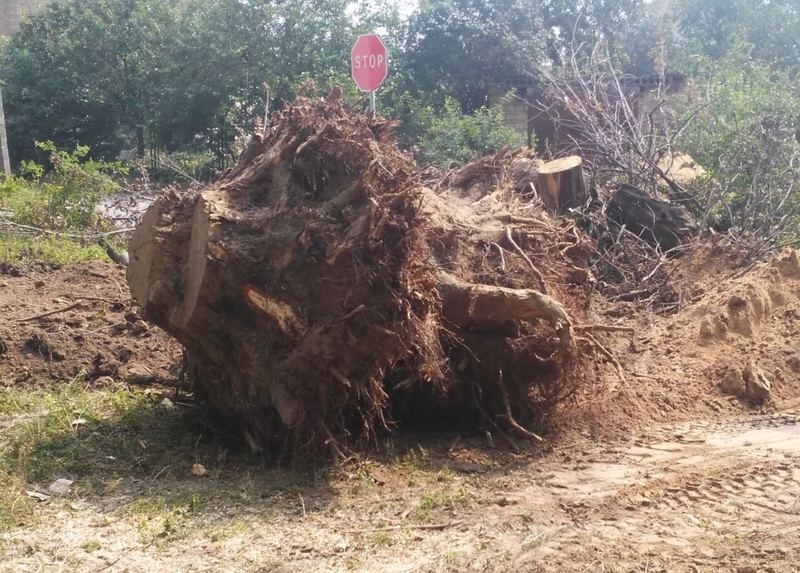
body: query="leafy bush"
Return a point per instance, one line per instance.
(745, 137)
(452, 137)
(62, 198)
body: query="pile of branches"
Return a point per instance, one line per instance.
(641, 216)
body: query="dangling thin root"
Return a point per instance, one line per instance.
(502, 256)
(333, 444)
(534, 270)
(509, 416)
(604, 351)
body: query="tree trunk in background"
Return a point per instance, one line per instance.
(139, 142)
(658, 222)
(5, 163)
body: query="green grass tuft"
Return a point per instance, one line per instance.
(107, 434)
(50, 249)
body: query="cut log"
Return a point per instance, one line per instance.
(560, 184)
(660, 223)
(319, 286)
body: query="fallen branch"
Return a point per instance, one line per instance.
(51, 313)
(428, 527)
(66, 308)
(604, 328)
(89, 237)
(605, 352)
(632, 295)
(93, 298)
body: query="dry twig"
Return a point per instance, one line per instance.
(426, 526)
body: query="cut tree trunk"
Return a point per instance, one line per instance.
(560, 184)
(319, 287)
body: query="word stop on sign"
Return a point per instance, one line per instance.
(371, 61)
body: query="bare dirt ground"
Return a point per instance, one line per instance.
(77, 321)
(656, 471)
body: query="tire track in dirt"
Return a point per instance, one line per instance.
(696, 497)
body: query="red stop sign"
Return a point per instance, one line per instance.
(368, 64)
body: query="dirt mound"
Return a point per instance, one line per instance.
(77, 321)
(732, 344)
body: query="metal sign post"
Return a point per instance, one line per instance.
(4, 161)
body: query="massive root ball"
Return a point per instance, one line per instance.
(323, 293)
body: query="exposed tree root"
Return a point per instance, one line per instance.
(509, 416)
(536, 273)
(465, 303)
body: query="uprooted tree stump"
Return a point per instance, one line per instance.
(323, 293)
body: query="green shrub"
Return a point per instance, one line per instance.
(745, 137)
(62, 198)
(454, 138)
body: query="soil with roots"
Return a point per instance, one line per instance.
(325, 294)
(657, 471)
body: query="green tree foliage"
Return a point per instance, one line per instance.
(451, 137)
(98, 71)
(230, 51)
(746, 138)
(714, 27)
(465, 48)
(586, 22)
(86, 72)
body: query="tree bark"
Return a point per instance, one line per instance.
(139, 142)
(560, 184)
(658, 222)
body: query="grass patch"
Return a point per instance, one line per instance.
(15, 507)
(381, 539)
(91, 545)
(105, 434)
(415, 459)
(130, 458)
(101, 438)
(49, 249)
(164, 516)
(180, 504)
(435, 502)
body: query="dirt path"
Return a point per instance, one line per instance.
(722, 496)
(696, 497)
